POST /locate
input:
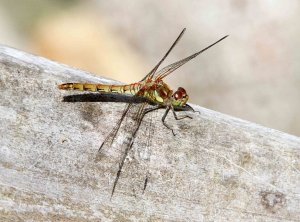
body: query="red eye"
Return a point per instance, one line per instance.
(180, 94)
(182, 90)
(177, 95)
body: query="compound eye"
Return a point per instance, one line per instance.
(177, 95)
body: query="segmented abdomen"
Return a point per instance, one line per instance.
(128, 89)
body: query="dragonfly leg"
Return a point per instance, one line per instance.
(181, 117)
(151, 109)
(163, 120)
(164, 116)
(191, 108)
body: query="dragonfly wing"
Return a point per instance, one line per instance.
(172, 67)
(152, 72)
(121, 138)
(112, 134)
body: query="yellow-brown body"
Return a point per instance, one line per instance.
(154, 90)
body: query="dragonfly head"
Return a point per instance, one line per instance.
(179, 97)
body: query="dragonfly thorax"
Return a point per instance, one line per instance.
(159, 92)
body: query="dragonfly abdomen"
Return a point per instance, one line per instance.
(124, 89)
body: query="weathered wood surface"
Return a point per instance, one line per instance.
(217, 168)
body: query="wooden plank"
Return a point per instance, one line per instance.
(216, 168)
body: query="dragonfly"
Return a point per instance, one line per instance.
(156, 93)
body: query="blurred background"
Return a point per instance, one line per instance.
(254, 74)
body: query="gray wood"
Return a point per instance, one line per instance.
(216, 168)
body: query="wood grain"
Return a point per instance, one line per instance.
(216, 168)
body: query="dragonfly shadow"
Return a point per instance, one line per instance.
(107, 97)
(113, 97)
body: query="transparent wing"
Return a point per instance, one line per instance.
(152, 72)
(172, 67)
(121, 137)
(113, 133)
